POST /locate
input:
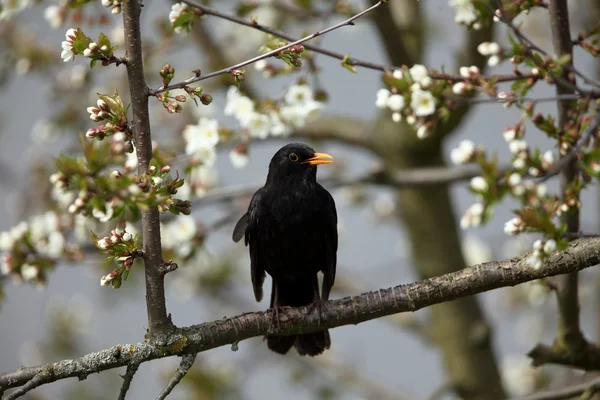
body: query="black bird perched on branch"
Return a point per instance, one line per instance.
(291, 226)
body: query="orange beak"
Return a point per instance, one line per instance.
(319, 158)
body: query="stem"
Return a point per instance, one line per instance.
(155, 290)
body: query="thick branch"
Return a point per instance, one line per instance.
(581, 254)
(155, 290)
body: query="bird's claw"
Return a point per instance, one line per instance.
(276, 320)
(316, 304)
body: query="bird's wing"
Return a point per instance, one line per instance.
(240, 228)
(253, 238)
(331, 245)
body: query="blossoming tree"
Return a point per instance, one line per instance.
(124, 191)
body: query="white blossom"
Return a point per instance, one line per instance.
(479, 184)
(423, 132)
(395, 102)
(493, 61)
(541, 190)
(396, 117)
(464, 11)
(514, 179)
(260, 65)
(238, 159)
(29, 272)
(509, 134)
(278, 128)
(549, 246)
(103, 244)
(459, 88)
(519, 376)
(514, 226)
(488, 49)
(548, 159)
(127, 236)
(258, 125)
(103, 216)
(54, 246)
(241, 107)
(463, 153)
(53, 14)
(382, 98)
(203, 135)
(6, 241)
(420, 74)
(517, 146)
(207, 155)
(67, 51)
(398, 74)
(422, 103)
(298, 115)
(178, 234)
(473, 216)
(176, 10)
(298, 95)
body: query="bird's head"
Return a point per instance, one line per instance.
(296, 160)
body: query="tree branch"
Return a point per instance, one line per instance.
(570, 346)
(187, 361)
(155, 288)
(347, 22)
(581, 254)
(127, 378)
(283, 35)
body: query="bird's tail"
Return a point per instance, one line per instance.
(297, 294)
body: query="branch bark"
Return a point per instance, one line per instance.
(581, 254)
(570, 344)
(155, 288)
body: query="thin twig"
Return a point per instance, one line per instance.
(495, 78)
(180, 85)
(240, 21)
(187, 361)
(39, 379)
(127, 378)
(564, 161)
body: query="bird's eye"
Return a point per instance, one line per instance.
(293, 157)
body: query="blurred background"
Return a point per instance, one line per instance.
(387, 236)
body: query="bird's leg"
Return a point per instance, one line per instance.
(277, 308)
(316, 302)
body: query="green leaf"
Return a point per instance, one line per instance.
(108, 261)
(103, 40)
(346, 64)
(125, 275)
(93, 62)
(78, 3)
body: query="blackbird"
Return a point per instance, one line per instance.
(291, 227)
